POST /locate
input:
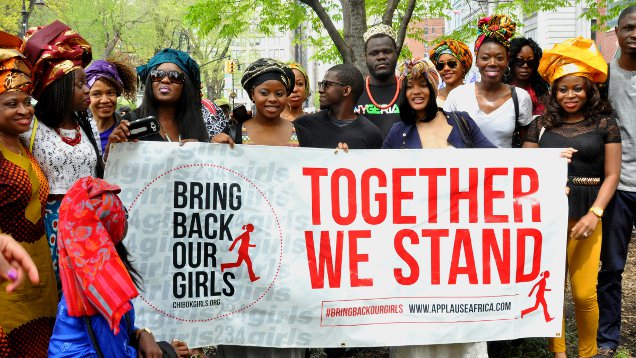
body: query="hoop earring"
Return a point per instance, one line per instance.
(507, 71)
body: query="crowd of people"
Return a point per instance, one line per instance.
(63, 227)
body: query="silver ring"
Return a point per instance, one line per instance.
(586, 234)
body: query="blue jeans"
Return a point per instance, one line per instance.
(618, 221)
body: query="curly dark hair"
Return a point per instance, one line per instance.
(129, 79)
(407, 113)
(538, 84)
(594, 109)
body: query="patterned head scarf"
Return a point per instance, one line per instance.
(299, 67)
(186, 63)
(418, 67)
(497, 27)
(455, 48)
(54, 50)
(573, 57)
(379, 29)
(266, 69)
(94, 279)
(101, 68)
(15, 70)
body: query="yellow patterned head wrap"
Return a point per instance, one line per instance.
(455, 48)
(418, 67)
(299, 67)
(15, 70)
(573, 57)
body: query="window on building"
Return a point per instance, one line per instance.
(426, 31)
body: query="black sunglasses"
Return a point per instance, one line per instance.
(519, 62)
(451, 64)
(174, 76)
(322, 85)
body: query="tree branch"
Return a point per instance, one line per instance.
(387, 17)
(404, 24)
(330, 27)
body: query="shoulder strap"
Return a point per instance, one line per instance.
(515, 101)
(209, 105)
(464, 130)
(603, 88)
(35, 128)
(91, 335)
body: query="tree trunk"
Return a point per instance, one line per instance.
(358, 28)
(110, 45)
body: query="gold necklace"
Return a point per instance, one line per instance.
(11, 148)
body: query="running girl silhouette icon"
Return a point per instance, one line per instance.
(540, 298)
(243, 252)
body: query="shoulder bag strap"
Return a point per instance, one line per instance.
(91, 335)
(464, 131)
(35, 128)
(209, 105)
(515, 101)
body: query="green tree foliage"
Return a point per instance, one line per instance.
(339, 25)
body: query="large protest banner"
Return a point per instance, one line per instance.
(299, 247)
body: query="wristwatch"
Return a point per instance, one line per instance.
(597, 211)
(142, 330)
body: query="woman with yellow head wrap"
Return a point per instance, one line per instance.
(452, 60)
(499, 109)
(28, 314)
(300, 93)
(577, 117)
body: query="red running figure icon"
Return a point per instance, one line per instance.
(243, 252)
(540, 297)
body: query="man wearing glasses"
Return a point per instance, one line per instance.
(336, 125)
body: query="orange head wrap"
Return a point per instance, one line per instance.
(15, 70)
(573, 57)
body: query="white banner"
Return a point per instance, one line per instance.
(299, 247)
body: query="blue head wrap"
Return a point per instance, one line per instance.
(179, 58)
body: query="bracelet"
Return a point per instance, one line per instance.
(145, 329)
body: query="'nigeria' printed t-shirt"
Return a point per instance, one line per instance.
(382, 118)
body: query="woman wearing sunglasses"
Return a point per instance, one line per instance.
(172, 94)
(452, 60)
(497, 108)
(525, 55)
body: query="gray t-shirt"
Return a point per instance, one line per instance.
(622, 92)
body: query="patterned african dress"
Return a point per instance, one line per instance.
(27, 315)
(292, 142)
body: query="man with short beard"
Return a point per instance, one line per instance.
(620, 214)
(379, 101)
(336, 123)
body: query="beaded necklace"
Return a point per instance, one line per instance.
(395, 97)
(72, 141)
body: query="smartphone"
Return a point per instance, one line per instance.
(143, 127)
